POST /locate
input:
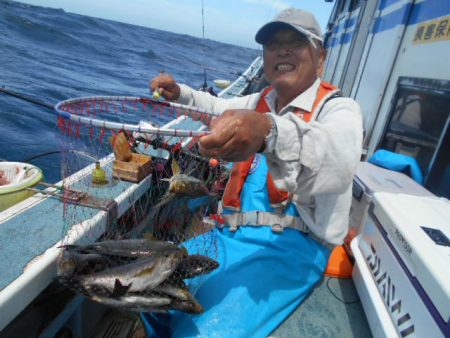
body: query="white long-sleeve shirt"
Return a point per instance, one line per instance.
(314, 161)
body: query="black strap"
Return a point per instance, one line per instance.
(334, 96)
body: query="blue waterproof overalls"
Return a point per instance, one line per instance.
(263, 275)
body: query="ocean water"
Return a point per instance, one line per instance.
(52, 55)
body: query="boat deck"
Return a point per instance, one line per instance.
(333, 310)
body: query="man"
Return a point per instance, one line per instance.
(296, 146)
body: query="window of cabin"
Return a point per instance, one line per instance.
(355, 4)
(418, 126)
(342, 6)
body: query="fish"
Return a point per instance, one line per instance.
(179, 212)
(186, 185)
(190, 306)
(175, 221)
(195, 265)
(132, 248)
(142, 274)
(175, 291)
(182, 185)
(150, 303)
(73, 263)
(137, 303)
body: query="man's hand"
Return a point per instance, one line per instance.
(166, 86)
(236, 135)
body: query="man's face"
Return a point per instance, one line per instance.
(290, 62)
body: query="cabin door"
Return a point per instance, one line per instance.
(380, 52)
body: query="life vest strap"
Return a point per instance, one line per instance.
(261, 218)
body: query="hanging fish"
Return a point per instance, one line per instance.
(178, 291)
(194, 265)
(137, 303)
(179, 213)
(142, 274)
(189, 306)
(72, 263)
(182, 185)
(132, 248)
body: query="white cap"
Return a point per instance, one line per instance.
(300, 20)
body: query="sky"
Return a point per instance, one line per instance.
(230, 21)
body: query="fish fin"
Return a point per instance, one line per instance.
(120, 289)
(176, 170)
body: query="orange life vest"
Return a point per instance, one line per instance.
(239, 172)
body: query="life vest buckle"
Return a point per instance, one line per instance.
(277, 228)
(233, 228)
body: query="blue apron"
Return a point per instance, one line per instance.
(262, 278)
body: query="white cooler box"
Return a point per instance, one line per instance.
(370, 179)
(402, 266)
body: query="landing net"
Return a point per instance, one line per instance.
(142, 247)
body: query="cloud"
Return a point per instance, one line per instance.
(277, 4)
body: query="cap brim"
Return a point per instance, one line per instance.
(266, 30)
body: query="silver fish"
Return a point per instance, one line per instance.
(126, 247)
(195, 265)
(143, 274)
(174, 291)
(190, 306)
(71, 263)
(138, 303)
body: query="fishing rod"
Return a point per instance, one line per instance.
(25, 98)
(205, 85)
(52, 152)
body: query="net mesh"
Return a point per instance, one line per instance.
(142, 247)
